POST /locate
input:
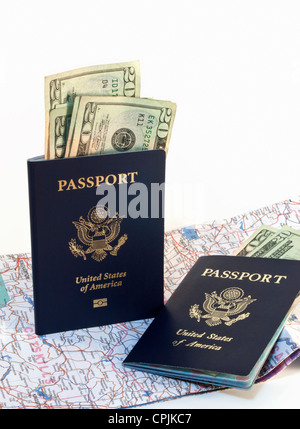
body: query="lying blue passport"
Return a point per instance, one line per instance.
(221, 322)
(97, 234)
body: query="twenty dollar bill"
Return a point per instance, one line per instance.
(122, 79)
(260, 236)
(284, 245)
(119, 124)
(268, 242)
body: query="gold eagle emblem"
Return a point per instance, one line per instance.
(221, 308)
(97, 232)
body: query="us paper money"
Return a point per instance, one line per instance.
(283, 244)
(119, 124)
(262, 234)
(59, 125)
(121, 79)
(287, 245)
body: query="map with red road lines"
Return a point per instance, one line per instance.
(83, 368)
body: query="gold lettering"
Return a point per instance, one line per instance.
(99, 179)
(84, 288)
(266, 278)
(96, 286)
(207, 271)
(89, 283)
(186, 333)
(225, 274)
(243, 274)
(113, 275)
(90, 181)
(107, 179)
(81, 183)
(279, 278)
(253, 275)
(71, 185)
(234, 275)
(122, 178)
(203, 346)
(61, 185)
(132, 176)
(176, 342)
(217, 338)
(215, 273)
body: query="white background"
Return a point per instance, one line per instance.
(232, 67)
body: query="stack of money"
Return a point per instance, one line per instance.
(268, 242)
(96, 110)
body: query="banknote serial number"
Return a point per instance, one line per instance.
(148, 128)
(114, 86)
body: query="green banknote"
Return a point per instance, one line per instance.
(260, 236)
(284, 243)
(121, 79)
(59, 126)
(268, 246)
(119, 124)
(289, 248)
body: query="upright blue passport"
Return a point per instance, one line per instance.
(97, 233)
(221, 322)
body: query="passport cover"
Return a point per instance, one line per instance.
(221, 322)
(89, 268)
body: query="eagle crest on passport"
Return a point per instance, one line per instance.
(97, 232)
(223, 307)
